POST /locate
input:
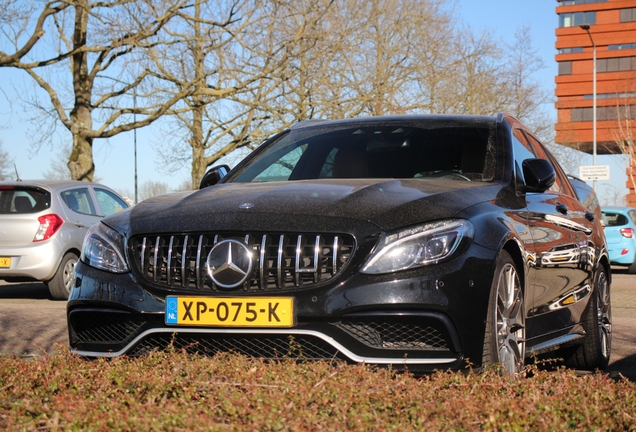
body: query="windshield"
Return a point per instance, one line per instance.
(460, 150)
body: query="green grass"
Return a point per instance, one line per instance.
(176, 391)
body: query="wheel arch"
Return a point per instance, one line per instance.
(513, 248)
(73, 250)
(604, 261)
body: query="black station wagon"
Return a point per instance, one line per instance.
(423, 242)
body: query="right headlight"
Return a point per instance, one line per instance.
(418, 246)
(104, 249)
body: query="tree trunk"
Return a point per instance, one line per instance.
(81, 162)
(196, 139)
(198, 161)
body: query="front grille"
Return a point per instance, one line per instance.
(178, 261)
(397, 333)
(269, 347)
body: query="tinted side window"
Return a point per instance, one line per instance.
(586, 195)
(79, 200)
(109, 202)
(522, 151)
(561, 184)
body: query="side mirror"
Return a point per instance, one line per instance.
(213, 176)
(539, 175)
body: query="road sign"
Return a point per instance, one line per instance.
(594, 172)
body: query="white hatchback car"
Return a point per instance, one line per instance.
(42, 227)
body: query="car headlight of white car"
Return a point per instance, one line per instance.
(418, 246)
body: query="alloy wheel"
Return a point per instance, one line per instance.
(511, 329)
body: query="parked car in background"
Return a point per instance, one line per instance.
(42, 226)
(422, 242)
(620, 232)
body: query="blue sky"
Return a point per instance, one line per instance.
(114, 158)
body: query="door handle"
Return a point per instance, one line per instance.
(562, 208)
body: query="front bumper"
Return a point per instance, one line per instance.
(424, 319)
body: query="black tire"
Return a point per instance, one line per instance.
(505, 335)
(61, 284)
(594, 352)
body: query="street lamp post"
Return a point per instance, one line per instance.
(135, 144)
(586, 27)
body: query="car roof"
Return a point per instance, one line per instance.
(402, 118)
(51, 184)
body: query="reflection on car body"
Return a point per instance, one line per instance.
(568, 254)
(414, 241)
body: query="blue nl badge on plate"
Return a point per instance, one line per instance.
(171, 310)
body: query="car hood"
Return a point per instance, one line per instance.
(309, 205)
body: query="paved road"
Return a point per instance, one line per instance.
(31, 324)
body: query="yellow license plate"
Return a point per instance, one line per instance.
(5, 262)
(230, 311)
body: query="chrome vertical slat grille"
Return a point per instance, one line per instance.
(281, 260)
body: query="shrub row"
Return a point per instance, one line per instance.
(177, 391)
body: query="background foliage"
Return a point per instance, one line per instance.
(221, 75)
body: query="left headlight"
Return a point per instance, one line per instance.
(418, 246)
(104, 249)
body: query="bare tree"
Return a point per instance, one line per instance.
(625, 140)
(151, 188)
(232, 72)
(185, 185)
(59, 169)
(85, 56)
(232, 51)
(569, 158)
(527, 99)
(6, 164)
(361, 58)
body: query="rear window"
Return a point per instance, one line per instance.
(614, 219)
(23, 200)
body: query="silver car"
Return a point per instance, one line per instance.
(42, 226)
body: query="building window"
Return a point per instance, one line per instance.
(604, 113)
(577, 2)
(616, 64)
(610, 96)
(571, 50)
(622, 46)
(574, 19)
(565, 68)
(628, 15)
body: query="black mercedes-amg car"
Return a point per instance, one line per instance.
(423, 242)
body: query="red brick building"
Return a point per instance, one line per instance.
(612, 28)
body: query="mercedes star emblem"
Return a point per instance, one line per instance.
(229, 263)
